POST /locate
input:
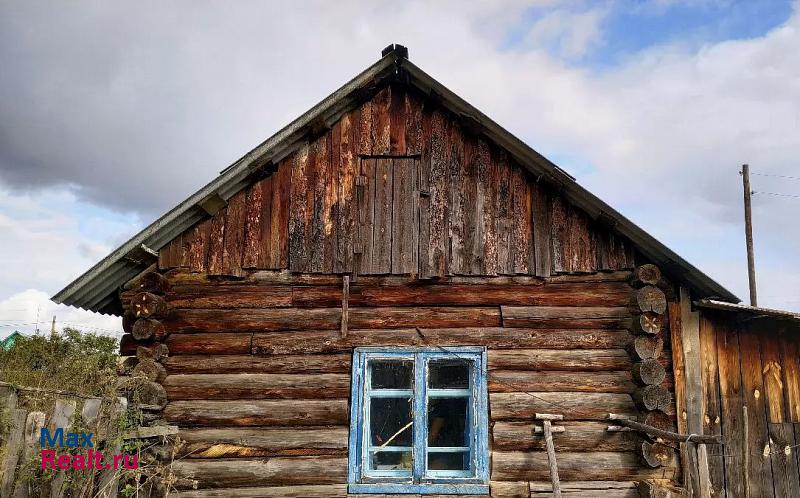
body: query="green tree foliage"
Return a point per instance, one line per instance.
(71, 361)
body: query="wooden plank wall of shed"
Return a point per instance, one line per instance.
(480, 213)
(259, 375)
(752, 363)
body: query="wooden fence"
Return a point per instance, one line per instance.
(21, 452)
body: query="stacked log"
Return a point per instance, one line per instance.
(142, 320)
(649, 305)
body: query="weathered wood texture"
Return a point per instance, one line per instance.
(750, 364)
(398, 186)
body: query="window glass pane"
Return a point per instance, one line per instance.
(448, 374)
(391, 460)
(390, 420)
(458, 460)
(447, 422)
(392, 374)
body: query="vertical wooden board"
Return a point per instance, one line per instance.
(783, 457)
(471, 260)
(362, 119)
(503, 212)
(163, 257)
(279, 226)
(789, 341)
(318, 178)
(330, 210)
(730, 387)
(581, 255)
(759, 470)
(540, 213)
(772, 370)
(679, 374)
(234, 236)
(61, 418)
(413, 122)
(13, 443)
(187, 239)
(456, 222)
(382, 228)
(437, 229)
(487, 193)
(299, 260)
(712, 419)
(521, 230)
(479, 169)
(258, 230)
(397, 121)
(366, 215)
(423, 173)
(381, 122)
(253, 219)
(559, 235)
(198, 250)
(405, 225)
(216, 242)
(346, 220)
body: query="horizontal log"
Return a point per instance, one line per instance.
(598, 382)
(260, 412)
(330, 341)
(556, 359)
(317, 491)
(216, 343)
(586, 489)
(574, 406)
(516, 466)
(261, 320)
(577, 294)
(261, 472)
(230, 296)
(577, 436)
(287, 364)
(185, 277)
(566, 317)
(257, 386)
(231, 442)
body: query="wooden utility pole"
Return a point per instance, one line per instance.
(748, 233)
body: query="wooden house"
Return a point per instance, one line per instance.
(383, 296)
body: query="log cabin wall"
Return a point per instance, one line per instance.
(751, 396)
(258, 374)
(450, 243)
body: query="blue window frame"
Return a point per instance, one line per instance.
(418, 422)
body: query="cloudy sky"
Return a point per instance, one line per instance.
(112, 112)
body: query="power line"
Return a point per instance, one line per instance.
(787, 177)
(775, 193)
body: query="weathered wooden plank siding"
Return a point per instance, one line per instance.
(749, 375)
(437, 200)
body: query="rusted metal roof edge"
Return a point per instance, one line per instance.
(746, 308)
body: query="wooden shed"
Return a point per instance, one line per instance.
(383, 296)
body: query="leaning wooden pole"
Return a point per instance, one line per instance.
(551, 450)
(748, 234)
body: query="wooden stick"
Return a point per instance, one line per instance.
(345, 298)
(551, 450)
(746, 452)
(666, 435)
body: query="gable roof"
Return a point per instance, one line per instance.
(97, 289)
